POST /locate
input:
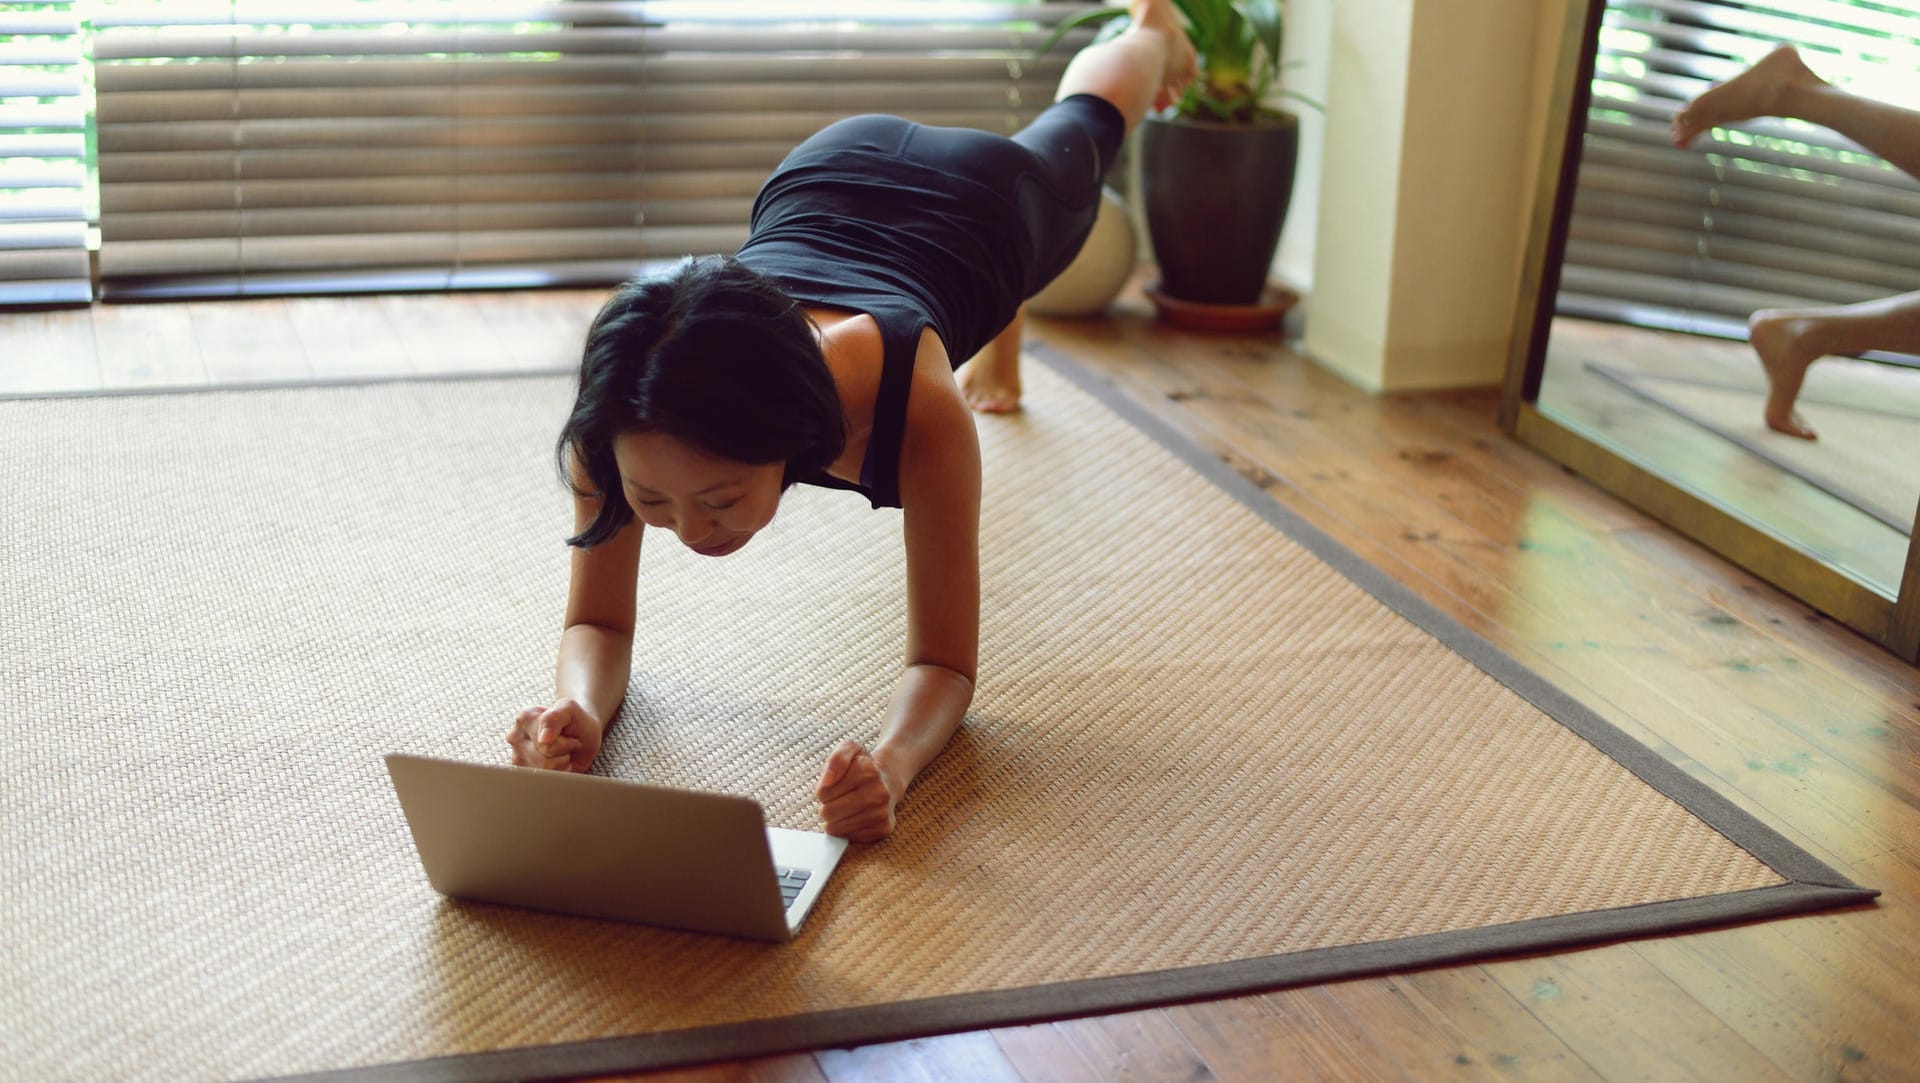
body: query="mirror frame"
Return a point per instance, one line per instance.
(1892, 623)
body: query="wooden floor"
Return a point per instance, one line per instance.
(1811, 728)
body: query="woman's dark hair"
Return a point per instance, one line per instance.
(713, 354)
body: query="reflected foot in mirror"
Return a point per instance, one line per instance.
(1790, 339)
(1766, 89)
(1782, 339)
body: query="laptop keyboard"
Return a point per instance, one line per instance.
(791, 881)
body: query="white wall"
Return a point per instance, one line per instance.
(1368, 57)
(1309, 39)
(1430, 165)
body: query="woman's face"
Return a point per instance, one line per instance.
(715, 505)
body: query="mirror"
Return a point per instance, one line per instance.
(1708, 285)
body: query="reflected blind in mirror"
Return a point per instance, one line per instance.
(43, 154)
(1763, 214)
(255, 147)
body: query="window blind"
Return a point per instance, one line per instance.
(253, 147)
(1771, 213)
(43, 151)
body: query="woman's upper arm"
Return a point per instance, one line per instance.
(940, 495)
(602, 580)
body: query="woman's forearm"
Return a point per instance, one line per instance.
(593, 668)
(927, 708)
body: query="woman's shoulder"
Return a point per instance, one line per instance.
(939, 446)
(936, 408)
(853, 346)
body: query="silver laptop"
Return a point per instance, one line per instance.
(601, 847)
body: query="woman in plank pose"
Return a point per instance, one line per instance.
(1789, 340)
(882, 253)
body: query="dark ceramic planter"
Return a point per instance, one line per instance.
(1216, 198)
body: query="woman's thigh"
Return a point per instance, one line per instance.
(1050, 172)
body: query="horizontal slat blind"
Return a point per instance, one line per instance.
(1771, 213)
(264, 147)
(43, 157)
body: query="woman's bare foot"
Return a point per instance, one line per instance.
(1763, 90)
(990, 385)
(1182, 63)
(1780, 337)
(990, 380)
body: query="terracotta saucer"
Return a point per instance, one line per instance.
(1265, 314)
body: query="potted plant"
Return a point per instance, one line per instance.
(1217, 166)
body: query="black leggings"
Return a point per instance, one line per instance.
(1050, 171)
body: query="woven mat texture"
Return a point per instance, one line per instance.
(1193, 742)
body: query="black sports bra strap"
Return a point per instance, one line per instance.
(880, 471)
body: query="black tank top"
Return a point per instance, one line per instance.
(847, 222)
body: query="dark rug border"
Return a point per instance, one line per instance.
(1850, 497)
(1723, 815)
(844, 1028)
(1812, 884)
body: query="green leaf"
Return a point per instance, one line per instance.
(1314, 103)
(1067, 26)
(1265, 17)
(1207, 22)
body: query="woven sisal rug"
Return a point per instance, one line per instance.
(1211, 751)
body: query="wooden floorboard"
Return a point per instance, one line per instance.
(1790, 716)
